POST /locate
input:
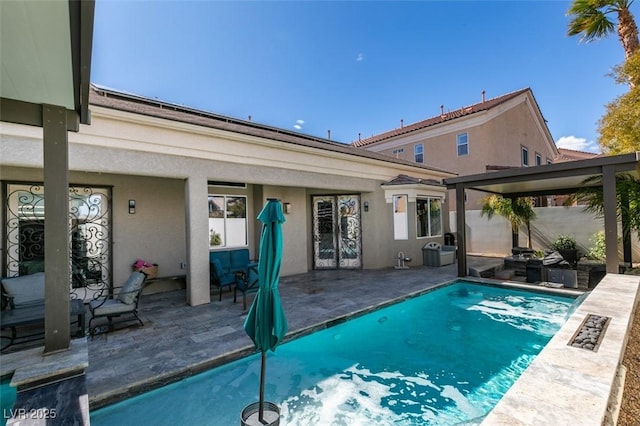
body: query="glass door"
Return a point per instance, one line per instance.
(336, 232)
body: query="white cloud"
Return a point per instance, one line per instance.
(578, 144)
(297, 127)
(360, 57)
(300, 122)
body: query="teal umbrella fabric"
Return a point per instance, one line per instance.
(266, 323)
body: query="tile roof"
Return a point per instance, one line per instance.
(447, 116)
(572, 155)
(110, 98)
(410, 180)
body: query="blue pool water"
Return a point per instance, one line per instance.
(7, 398)
(446, 357)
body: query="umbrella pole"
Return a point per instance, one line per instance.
(263, 366)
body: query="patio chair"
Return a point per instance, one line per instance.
(249, 284)
(105, 305)
(220, 279)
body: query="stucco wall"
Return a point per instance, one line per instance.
(493, 237)
(495, 138)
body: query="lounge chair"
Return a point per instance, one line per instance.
(124, 303)
(220, 279)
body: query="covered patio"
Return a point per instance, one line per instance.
(552, 179)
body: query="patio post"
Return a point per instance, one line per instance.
(610, 218)
(461, 225)
(56, 229)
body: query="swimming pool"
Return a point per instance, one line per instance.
(445, 357)
(7, 398)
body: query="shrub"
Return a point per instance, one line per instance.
(564, 242)
(598, 250)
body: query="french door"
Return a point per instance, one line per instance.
(336, 232)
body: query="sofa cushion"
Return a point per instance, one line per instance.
(130, 289)
(25, 289)
(109, 307)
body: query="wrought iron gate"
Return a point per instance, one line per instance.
(89, 236)
(336, 232)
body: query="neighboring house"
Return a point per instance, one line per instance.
(167, 184)
(504, 132)
(564, 156)
(573, 155)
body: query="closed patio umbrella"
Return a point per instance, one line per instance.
(266, 323)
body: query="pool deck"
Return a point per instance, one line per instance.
(180, 340)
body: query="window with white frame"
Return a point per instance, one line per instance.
(396, 152)
(428, 217)
(400, 218)
(418, 153)
(538, 159)
(227, 220)
(525, 156)
(463, 144)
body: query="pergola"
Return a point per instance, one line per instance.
(46, 61)
(551, 179)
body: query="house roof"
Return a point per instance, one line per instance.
(410, 180)
(572, 155)
(113, 99)
(442, 118)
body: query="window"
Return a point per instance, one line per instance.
(525, 157)
(549, 161)
(227, 221)
(538, 159)
(400, 220)
(418, 153)
(397, 152)
(428, 217)
(463, 144)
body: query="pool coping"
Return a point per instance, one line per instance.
(571, 385)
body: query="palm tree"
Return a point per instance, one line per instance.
(628, 200)
(517, 213)
(591, 19)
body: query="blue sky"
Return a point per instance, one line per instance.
(356, 67)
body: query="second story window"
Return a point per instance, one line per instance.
(463, 144)
(418, 153)
(396, 152)
(538, 159)
(525, 157)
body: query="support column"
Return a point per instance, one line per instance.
(197, 227)
(626, 227)
(610, 219)
(56, 229)
(461, 227)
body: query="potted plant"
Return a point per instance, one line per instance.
(566, 246)
(591, 268)
(214, 238)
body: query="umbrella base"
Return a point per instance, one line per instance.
(251, 415)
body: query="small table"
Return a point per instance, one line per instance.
(34, 314)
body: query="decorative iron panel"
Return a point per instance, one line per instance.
(349, 231)
(89, 237)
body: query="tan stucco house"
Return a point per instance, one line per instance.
(168, 184)
(504, 132)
